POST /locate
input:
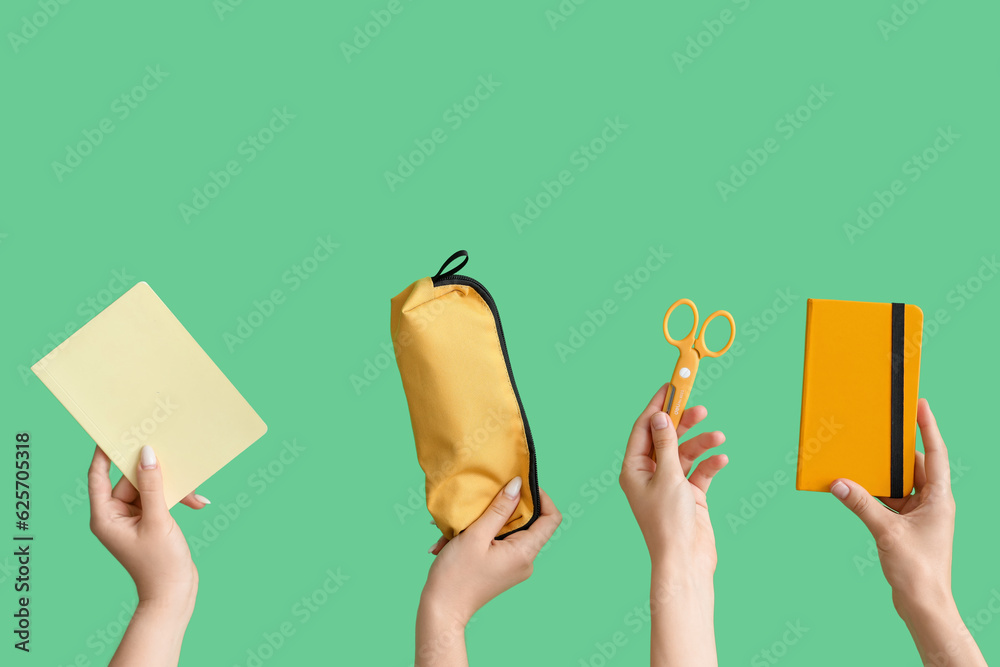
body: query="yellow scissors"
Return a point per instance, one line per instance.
(691, 351)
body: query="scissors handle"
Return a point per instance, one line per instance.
(700, 343)
(688, 340)
(681, 384)
(692, 349)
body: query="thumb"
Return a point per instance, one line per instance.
(665, 444)
(862, 503)
(492, 521)
(150, 486)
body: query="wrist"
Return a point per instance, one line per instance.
(682, 614)
(930, 603)
(675, 587)
(684, 578)
(440, 631)
(938, 629)
(441, 613)
(176, 598)
(180, 607)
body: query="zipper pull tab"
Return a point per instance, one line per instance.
(465, 260)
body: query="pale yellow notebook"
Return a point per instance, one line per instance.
(134, 376)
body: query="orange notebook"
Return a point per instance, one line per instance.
(859, 396)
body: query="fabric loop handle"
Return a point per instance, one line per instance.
(465, 260)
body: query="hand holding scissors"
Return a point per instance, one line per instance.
(691, 351)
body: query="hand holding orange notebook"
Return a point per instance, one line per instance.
(859, 396)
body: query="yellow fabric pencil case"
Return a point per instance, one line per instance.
(469, 425)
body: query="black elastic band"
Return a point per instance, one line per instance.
(461, 253)
(896, 420)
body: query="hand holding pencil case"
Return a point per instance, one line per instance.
(469, 425)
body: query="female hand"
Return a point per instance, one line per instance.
(914, 536)
(672, 512)
(670, 507)
(474, 568)
(135, 525)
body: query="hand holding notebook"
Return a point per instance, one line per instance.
(134, 376)
(859, 395)
(915, 536)
(136, 527)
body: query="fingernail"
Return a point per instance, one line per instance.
(431, 550)
(840, 490)
(202, 499)
(513, 488)
(147, 458)
(660, 420)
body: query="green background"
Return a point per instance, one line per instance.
(342, 504)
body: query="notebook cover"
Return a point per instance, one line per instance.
(134, 376)
(849, 402)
